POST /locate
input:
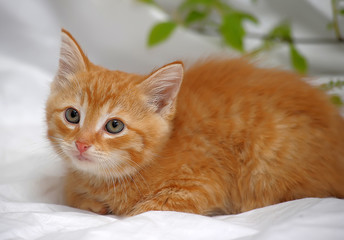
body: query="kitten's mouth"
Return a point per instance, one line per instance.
(83, 158)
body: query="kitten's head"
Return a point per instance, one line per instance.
(109, 123)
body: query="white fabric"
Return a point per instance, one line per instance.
(113, 33)
(301, 219)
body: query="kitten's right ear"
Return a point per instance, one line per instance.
(72, 59)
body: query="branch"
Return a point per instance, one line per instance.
(297, 40)
(335, 21)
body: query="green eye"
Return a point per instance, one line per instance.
(72, 115)
(114, 126)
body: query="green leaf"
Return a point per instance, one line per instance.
(341, 12)
(160, 32)
(336, 100)
(195, 16)
(281, 31)
(298, 60)
(232, 29)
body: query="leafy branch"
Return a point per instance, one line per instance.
(332, 84)
(335, 99)
(334, 24)
(218, 17)
(281, 33)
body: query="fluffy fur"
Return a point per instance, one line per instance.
(237, 138)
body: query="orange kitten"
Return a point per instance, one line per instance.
(230, 138)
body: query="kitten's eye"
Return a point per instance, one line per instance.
(72, 115)
(114, 126)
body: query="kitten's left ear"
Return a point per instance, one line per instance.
(72, 58)
(162, 88)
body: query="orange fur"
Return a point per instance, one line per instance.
(238, 137)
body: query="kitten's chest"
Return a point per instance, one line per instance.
(124, 193)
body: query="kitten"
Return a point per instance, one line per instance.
(238, 138)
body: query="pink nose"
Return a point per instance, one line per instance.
(82, 147)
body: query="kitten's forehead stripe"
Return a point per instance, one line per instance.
(82, 97)
(105, 114)
(104, 95)
(98, 90)
(88, 95)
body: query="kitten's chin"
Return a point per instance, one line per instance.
(83, 158)
(107, 169)
(83, 163)
(99, 171)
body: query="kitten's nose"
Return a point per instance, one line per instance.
(82, 147)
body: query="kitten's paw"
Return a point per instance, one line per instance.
(95, 206)
(148, 205)
(160, 204)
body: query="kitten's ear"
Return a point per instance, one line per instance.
(162, 88)
(72, 59)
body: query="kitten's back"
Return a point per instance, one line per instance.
(285, 137)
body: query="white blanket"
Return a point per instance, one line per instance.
(113, 33)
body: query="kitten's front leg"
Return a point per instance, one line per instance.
(163, 204)
(150, 205)
(82, 201)
(94, 206)
(180, 201)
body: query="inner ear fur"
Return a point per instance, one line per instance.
(72, 58)
(162, 87)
